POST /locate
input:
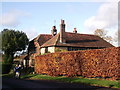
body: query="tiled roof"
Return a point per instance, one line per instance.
(77, 40)
(42, 38)
(53, 41)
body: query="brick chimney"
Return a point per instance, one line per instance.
(62, 32)
(54, 31)
(75, 30)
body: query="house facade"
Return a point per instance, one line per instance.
(34, 47)
(68, 41)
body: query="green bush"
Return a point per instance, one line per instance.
(6, 68)
(60, 50)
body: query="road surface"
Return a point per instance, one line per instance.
(15, 84)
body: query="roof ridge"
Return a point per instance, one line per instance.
(81, 33)
(41, 35)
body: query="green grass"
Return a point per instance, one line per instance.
(96, 82)
(9, 75)
(79, 79)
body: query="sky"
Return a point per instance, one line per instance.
(36, 18)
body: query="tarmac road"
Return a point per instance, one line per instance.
(15, 84)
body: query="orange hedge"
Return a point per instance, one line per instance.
(104, 63)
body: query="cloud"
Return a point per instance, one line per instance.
(106, 17)
(12, 18)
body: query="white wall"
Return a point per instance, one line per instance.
(42, 50)
(51, 49)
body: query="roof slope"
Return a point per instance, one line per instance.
(77, 40)
(52, 41)
(42, 38)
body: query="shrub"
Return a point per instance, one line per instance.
(60, 50)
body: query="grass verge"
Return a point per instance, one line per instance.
(79, 79)
(95, 82)
(9, 75)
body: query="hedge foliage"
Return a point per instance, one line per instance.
(104, 63)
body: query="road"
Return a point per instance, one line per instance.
(15, 84)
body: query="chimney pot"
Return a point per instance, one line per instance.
(62, 21)
(54, 31)
(75, 30)
(54, 27)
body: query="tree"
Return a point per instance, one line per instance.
(100, 32)
(103, 34)
(12, 41)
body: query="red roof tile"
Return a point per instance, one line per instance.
(78, 40)
(42, 38)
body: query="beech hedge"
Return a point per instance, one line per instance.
(103, 63)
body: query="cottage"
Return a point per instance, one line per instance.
(69, 41)
(72, 41)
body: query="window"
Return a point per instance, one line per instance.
(75, 48)
(46, 50)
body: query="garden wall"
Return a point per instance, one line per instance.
(103, 63)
